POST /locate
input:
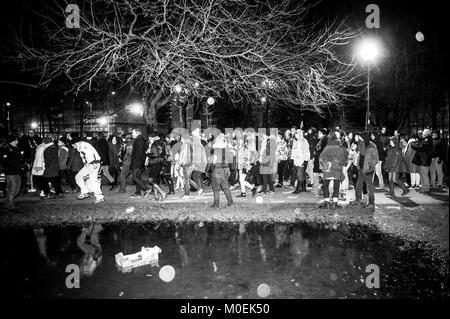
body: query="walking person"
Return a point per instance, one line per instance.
(381, 147)
(220, 170)
(422, 158)
(246, 157)
(137, 165)
(301, 156)
(395, 165)
(332, 161)
(199, 160)
(74, 165)
(412, 169)
(114, 146)
(268, 164)
(312, 141)
(155, 156)
(51, 169)
(63, 158)
(125, 155)
(368, 159)
(87, 178)
(103, 151)
(11, 165)
(282, 156)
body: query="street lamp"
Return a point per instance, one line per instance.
(34, 125)
(368, 52)
(136, 108)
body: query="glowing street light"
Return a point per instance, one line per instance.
(103, 121)
(263, 99)
(210, 101)
(113, 93)
(136, 108)
(8, 104)
(178, 88)
(368, 52)
(34, 125)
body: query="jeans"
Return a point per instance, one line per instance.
(219, 179)
(281, 171)
(123, 178)
(316, 185)
(243, 182)
(198, 179)
(187, 172)
(425, 178)
(92, 184)
(436, 169)
(367, 178)
(267, 179)
(13, 183)
(309, 170)
(379, 174)
(326, 188)
(140, 184)
(105, 170)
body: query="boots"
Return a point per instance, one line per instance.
(391, 189)
(403, 187)
(160, 191)
(298, 188)
(170, 184)
(325, 205)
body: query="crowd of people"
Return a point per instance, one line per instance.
(326, 162)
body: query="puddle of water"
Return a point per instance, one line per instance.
(206, 260)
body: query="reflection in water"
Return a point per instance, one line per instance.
(299, 246)
(89, 243)
(218, 261)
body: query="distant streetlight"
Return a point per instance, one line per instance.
(113, 93)
(136, 108)
(196, 85)
(210, 101)
(178, 88)
(34, 125)
(8, 104)
(263, 99)
(419, 36)
(368, 52)
(103, 121)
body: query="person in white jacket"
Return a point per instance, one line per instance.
(300, 155)
(39, 166)
(91, 160)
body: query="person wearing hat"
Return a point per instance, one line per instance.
(11, 165)
(91, 160)
(220, 172)
(368, 158)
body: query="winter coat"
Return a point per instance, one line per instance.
(39, 163)
(312, 141)
(320, 146)
(199, 159)
(63, 157)
(10, 159)
(126, 158)
(394, 162)
(380, 144)
(185, 158)
(103, 151)
(333, 159)
(138, 153)
(439, 149)
(51, 160)
(219, 158)
(282, 150)
(114, 154)
(370, 154)
(300, 152)
(424, 149)
(268, 158)
(75, 163)
(246, 157)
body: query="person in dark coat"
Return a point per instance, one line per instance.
(103, 151)
(51, 169)
(332, 161)
(380, 144)
(368, 159)
(422, 158)
(114, 146)
(437, 160)
(320, 145)
(74, 165)
(137, 165)
(126, 152)
(11, 165)
(394, 165)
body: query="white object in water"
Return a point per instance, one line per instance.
(167, 273)
(259, 200)
(146, 256)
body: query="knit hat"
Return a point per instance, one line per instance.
(47, 140)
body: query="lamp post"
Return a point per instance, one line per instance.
(368, 52)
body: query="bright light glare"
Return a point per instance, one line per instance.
(136, 108)
(103, 121)
(177, 88)
(263, 99)
(210, 101)
(8, 104)
(113, 93)
(34, 125)
(368, 51)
